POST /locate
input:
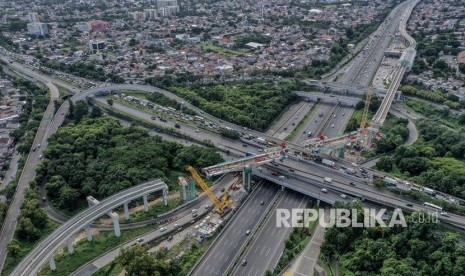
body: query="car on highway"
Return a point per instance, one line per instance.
(409, 205)
(247, 232)
(140, 240)
(352, 184)
(274, 173)
(332, 125)
(343, 196)
(324, 190)
(262, 202)
(244, 263)
(162, 229)
(244, 145)
(282, 177)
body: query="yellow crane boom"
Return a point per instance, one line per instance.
(364, 121)
(220, 205)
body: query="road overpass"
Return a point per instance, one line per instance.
(46, 250)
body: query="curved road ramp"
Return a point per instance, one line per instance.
(34, 261)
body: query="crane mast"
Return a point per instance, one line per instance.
(220, 205)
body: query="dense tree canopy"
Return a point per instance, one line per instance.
(99, 157)
(417, 249)
(253, 105)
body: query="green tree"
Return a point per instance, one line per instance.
(14, 247)
(384, 163)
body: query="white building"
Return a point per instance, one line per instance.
(37, 28)
(33, 17)
(150, 14)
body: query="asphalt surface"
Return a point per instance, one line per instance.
(289, 121)
(337, 124)
(225, 248)
(316, 123)
(268, 244)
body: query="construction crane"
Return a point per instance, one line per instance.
(220, 204)
(364, 122)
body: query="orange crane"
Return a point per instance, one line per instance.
(220, 204)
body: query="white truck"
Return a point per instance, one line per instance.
(390, 181)
(328, 163)
(429, 191)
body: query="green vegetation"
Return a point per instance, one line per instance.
(302, 123)
(33, 225)
(413, 250)
(84, 70)
(36, 102)
(253, 105)
(7, 43)
(137, 261)
(99, 157)
(428, 53)
(154, 210)
(438, 96)
(85, 251)
(395, 131)
(435, 113)
(112, 269)
(241, 41)
(356, 119)
(224, 51)
(435, 161)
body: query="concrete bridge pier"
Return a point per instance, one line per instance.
(69, 243)
(246, 177)
(89, 233)
(146, 204)
(165, 197)
(317, 202)
(115, 218)
(51, 261)
(126, 211)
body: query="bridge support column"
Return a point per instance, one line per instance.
(283, 188)
(146, 204)
(51, 261)
(317, 202)
(126, 211)
(116, 226)
(89, 233)
(246, 177)
(165, 197)
(69, 243)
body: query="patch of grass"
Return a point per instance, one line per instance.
(295, 133)
(136, 94)
(154, 210)
(26, 247)
(223, 51)
(85, 251)
(112, 269)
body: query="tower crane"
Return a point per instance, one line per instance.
(220, 204)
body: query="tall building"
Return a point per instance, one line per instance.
(33, 17)
(136, 16)
(37, 28)
(167, 7)
(150, 14)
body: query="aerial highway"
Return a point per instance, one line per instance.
(225, 248)
(32, 263)
(317, 173)
(268, 244)
(27, 175)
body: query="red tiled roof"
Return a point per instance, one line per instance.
(461, 57)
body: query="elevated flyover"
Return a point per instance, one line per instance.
(33, 262)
